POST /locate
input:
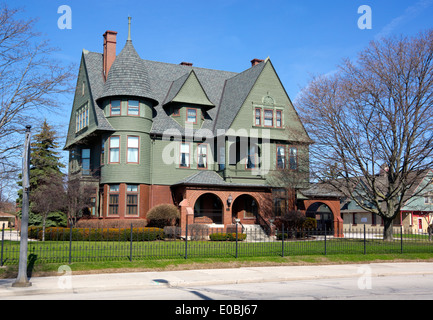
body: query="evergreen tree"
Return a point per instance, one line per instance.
(45, 169)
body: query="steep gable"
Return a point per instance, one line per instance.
(263, 89)
(188, 89)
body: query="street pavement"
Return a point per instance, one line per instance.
(67, 282)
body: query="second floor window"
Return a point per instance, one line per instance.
(114, 149)
(184, 155)
(279, 119)
(202, 156)
(85, 162)
(293, 158)
(281, 157)
(252, 158)
(133, 149)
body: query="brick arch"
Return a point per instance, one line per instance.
(334, 206)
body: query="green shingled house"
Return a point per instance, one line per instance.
(209, 141)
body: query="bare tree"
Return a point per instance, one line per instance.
(49, 196)
(78, 198)
(30, 80)
(372, 123)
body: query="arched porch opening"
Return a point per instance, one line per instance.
(208, 208)
(323, 215)
(245, 208)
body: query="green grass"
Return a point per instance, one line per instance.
(46, 257)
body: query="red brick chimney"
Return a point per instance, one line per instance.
(256, 62)
(109, 50)
(189, 64)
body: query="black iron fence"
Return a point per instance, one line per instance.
(67, 245)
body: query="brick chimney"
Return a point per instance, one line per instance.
(109, 50)
(255, 62)
(189, 64)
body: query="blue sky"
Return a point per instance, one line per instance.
(302, 38)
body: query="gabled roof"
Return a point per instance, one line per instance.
(188, 89)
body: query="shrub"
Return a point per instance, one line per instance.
(103, 234)
(163, 215)
(111, 223)
(227, 236)
(310, 223)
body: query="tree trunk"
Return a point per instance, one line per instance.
(44, 220)
(387, 229)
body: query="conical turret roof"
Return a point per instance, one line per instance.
(128, 76)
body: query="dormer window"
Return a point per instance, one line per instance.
(191, 115)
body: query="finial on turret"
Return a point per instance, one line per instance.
(129, 28)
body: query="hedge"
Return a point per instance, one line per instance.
(227, 236)
(104, 234)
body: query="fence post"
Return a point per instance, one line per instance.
(70, 244)
(186, 240)
(282, 240)
(325, 240)
(236, 240)
(365, 243)
(3, 238)
(130, 245)
(401, 239)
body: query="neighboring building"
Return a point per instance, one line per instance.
(145, 132)
(415, 215)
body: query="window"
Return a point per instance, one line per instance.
(133, 150)
(113, 200)
(269, 118)
(85, 162)
(115, 149)
(103, 151)
(176, 111)
(132, 199)
(279, 119)
(92, 207)
(428, 199)
(293, 158)
(115, 108)
(281, 157)
(82, 118)
(191, 115)
(252, 158)
(202, 156)
(258, 117)
(184, 155)
(133, 108)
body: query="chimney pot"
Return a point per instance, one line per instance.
(256, 62)
(109, 50)
(189, 64)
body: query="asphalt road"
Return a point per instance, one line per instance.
(409, 287)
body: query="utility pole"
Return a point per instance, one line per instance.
(22, 280)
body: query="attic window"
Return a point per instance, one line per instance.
(82, 118)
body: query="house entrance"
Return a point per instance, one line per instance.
(323, 215)
(208, 209)
(245, 208)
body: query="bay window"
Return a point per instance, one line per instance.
(114, 149)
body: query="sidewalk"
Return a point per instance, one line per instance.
(189, 278)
